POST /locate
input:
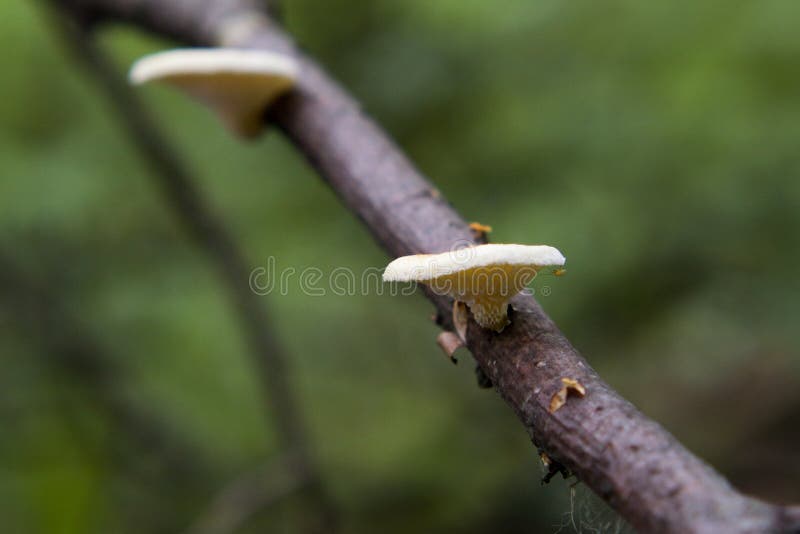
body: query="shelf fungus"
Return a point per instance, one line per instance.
(484, 277)
(238, 85)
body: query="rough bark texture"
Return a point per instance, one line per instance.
(627, 459)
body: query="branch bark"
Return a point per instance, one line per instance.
(627, 459)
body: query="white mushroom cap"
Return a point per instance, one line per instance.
(485, 277)
(239, 85)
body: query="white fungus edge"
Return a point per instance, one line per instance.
(210, 61)
(424, 267)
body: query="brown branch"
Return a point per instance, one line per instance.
(627, 459)
(193, 210)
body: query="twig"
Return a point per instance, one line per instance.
(213, 237)
(250, 492)
(627, 459)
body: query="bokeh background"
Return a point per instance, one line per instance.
(656, 144)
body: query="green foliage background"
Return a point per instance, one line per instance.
(654, 143)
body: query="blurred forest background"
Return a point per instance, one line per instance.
(656, 144)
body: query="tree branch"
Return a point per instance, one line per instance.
(627, 459)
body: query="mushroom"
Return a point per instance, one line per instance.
(238, 85)
(485, 277)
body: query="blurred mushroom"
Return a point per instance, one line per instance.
(238, 85)
(485, 277)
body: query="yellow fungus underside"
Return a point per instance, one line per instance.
(239, 99)
(486, 290)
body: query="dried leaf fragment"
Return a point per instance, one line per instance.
(560, 398)
(449, 342)
(480, 230)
